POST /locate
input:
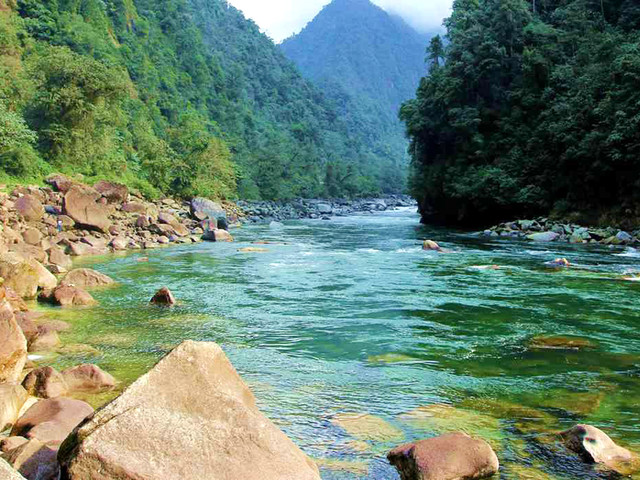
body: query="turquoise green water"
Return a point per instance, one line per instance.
(355, 340)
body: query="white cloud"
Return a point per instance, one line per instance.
(423, 15)
(282, 18)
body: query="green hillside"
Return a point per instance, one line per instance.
(171, 96)
(368, 62)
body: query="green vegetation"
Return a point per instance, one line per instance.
(532, 107)
(367, 62)
(178, 97)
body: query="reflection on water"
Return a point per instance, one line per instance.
(354, 339)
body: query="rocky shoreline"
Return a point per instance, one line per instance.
(546, 230)
(259, 212)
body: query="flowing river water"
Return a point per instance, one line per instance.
(354, 340)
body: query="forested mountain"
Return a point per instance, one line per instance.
(368, 62)
(533, 107)
(175, 96)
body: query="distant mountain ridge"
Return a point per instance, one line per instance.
(368, 62)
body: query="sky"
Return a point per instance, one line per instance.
(282, 18)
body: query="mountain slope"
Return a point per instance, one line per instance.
(172, 96)
(368, 62)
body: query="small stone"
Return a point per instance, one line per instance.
(163, 297)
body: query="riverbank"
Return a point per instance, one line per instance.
(545, 230)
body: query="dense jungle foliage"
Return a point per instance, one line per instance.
(532, 107)
(368, 62)
(178, 97)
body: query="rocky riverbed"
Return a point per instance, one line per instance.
(546, 230)
(257, 212)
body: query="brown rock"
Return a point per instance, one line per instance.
(30, 208)
(13, 347)
(29, 252)
(80, 249)
(454, 456)
(12, 398)
(88, 378)
(163, 297)
(216, 429)
(15, 300)
(80, 204)
(218, 235)
(67, 296)
(119, 243)
(86, 278)
(35, 460)
(595, 446)
(134, 207)
(45, 382)
(113, 192)
(51, 420)
(8, 473)
(58, 258)
(143, 221)
(32, 236)
(60, 183)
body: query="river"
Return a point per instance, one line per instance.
(354, 340)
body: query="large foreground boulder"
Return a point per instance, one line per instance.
(191, 417)
(13, 344)
(80, 204)
(454, 456)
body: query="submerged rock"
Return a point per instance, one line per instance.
(216, 428)
(454, 456)
(595, 446)
(88, 378)
(365, 426)
(560, 343)
(252, 250)
(430, 245)
(163, 297)
(559, 263)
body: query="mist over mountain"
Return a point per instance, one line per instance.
(367, 62)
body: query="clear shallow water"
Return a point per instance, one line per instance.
(355, 340)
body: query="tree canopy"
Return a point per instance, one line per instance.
(535, 109)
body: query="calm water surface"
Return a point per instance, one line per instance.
(355, 340)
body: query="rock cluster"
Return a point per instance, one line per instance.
(259, 212)
(52, 224)
(545, 230)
